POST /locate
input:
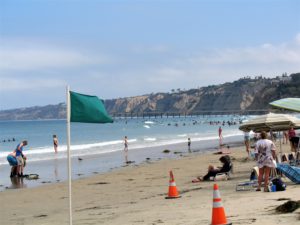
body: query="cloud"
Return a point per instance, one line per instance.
(142, 49)
(29, 56)
(29, 84)
(42, 69)
(263, 54)
(166, 74)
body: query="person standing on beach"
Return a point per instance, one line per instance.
(265, 154)
(292, 134)
(285, 137)
(247, 142)
(220, 135)
(189, 144)
(126, 148)
(20, 157)
(55, 142)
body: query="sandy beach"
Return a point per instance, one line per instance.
(136, 195)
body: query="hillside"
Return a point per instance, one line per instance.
(244, 94)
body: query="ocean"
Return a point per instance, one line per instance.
(100, 146)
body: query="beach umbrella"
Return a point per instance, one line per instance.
(271, 122)
(292, 104)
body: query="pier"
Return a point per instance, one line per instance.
(187, 114)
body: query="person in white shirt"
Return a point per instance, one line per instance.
(265, 154)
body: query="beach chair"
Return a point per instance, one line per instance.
(291, 172)
(253, 181)
(255, 173)
(225, 175)
(246, 186)
(291, 157)
(284, 158)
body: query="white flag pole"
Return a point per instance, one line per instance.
(69, 153)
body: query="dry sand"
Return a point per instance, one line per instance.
(136, 195)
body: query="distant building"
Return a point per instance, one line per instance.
(285, 79)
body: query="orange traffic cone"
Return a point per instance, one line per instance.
(173, 193)
(218, 213)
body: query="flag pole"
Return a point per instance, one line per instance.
(69, 152)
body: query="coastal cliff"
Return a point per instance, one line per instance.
(245, 94)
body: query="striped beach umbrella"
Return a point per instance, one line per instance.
(292, 104)
(271, 121)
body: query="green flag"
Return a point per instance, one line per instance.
(88, 109)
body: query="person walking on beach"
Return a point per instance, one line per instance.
(265, 154)
(126, 148)
(189, 144)
(19, 157)
(55, 142)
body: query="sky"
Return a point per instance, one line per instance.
(124, 48)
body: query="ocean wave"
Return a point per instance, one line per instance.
(149, 122)
(150, 139)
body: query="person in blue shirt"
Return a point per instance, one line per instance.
(11, 158)
(20, 157)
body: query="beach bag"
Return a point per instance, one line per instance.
(280, 185)
(254, 173)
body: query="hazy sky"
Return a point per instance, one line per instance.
(126, 48)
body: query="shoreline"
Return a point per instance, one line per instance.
(55, 171)
(136, 195)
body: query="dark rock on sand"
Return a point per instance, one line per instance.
(178, 152)
(288, 207)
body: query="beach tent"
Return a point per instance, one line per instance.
(292, 104)
(271, 122)
(83, 109)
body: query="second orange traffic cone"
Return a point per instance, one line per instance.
(218, 212)
(173, 193)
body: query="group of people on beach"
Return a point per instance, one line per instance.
(17, 158)
(264, 153)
